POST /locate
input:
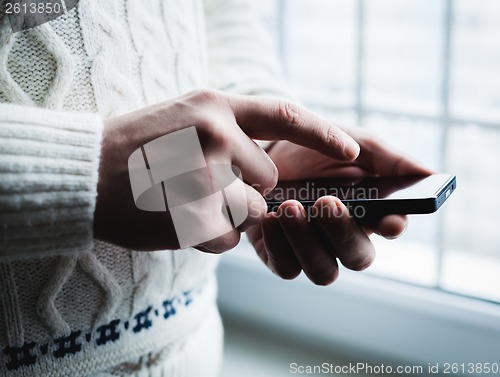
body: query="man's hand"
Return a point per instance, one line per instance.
(225, 125)
(287, 242)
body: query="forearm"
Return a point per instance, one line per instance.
(49, 169)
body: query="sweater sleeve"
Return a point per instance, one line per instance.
(49, 164)
(242, 58)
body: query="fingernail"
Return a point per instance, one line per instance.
(352, 149)
(335, 206)
(297, 211)
(291, 212)
(339, 207)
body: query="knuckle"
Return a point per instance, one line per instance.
(207, 130)
(290, 113)
(224, 138)
(213, 132)
(207, 122)
(204, 96)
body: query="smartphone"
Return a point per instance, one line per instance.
(371, 196)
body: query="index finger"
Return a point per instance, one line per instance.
(271, 119)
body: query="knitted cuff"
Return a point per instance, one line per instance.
(49, 163)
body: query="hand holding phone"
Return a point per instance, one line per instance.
(289, 240)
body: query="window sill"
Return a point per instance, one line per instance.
(376, 317)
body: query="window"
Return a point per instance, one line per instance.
(425, 75)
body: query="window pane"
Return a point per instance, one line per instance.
(403, 42)
(472, 220)
(421, 139)
(402, 74)
(472, 223)
(320, 43)
(346, 118)
(414, 257)
(476, 55)
(406, 260)
(472, 275)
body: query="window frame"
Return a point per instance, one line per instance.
(362, 111)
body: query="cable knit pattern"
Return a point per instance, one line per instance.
(105, 41)
(70, 305)
(65, 67)
(112, 291)
(249, 68)
(11, 90)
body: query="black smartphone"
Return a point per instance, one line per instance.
(371, 196)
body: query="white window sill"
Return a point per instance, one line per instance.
(376, 317)
(467, 273)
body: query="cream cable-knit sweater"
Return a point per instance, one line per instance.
(71, 306)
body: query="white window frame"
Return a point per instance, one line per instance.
(362, 111)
